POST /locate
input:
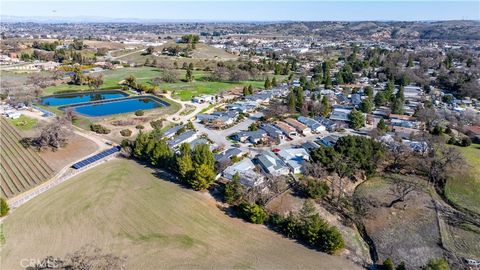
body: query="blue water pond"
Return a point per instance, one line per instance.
(125, 105)
(67, 99)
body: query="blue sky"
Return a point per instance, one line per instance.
(248, 10)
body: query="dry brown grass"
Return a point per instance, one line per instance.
(122, 208)
(408, 231)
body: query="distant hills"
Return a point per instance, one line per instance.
(377, 30)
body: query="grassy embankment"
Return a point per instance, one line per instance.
(125, 209)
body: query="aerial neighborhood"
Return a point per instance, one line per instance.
(363, 146)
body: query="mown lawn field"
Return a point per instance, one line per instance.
(23, 123)
(125, 209)
(463, 189)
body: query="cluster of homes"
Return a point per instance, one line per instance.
(232, 111)
(179, 134)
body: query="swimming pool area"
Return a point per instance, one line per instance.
(73, 98)
(118, 106)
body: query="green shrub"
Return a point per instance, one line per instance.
(126, 132)
(388, 264)
(253, 213)
(437, 264)
(99, 129)
(463, 142)
(313, 188)
(3, 207)
(139, 113)
(139, 127)
(157, 124)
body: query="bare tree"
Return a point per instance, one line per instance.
(315, 170)
(400, 189)
(54, 135)
(399, 155)
(88, 257)
(440, 162)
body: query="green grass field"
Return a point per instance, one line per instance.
(464, 188)
(111, 79)
(24, 123)
(183, 90)
(124, 209)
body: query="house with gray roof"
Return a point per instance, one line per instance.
(185, 137)
(272, 131)
(272, 164)
(252, 136)
(246, 170)
(295, 158)
(312, 124)
(169, 133)
(228, 154)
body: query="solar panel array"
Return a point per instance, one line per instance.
(96, 157)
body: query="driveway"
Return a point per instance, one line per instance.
(219, 136)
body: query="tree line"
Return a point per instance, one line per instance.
(195, 168)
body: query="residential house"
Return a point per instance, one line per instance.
(254, 137)
(228, 154)
(200, 141)
(329, 124)
(301, 128)
(169, 133)
(272, 164)
(340, 114)
(246, 170)
(272, 131)
(218, 119)
(310, 146)
(312, 124)
(185, 137)
(356, 99)
(329, 141)
(295, 158)
(286, 129)
(204, 99)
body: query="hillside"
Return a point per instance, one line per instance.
(124, 209)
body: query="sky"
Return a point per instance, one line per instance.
(228, 10)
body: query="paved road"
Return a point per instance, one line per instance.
(219, 136)
(110, 57)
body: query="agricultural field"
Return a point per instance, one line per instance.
(23, 123)
(464, 188)
(127, 210)
(21, 168)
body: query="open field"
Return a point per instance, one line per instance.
(204, 55)
(23, 123)
(124, 209)
(464, 188)
(78, 148)
(111, 79)
(183, 90)
(408, 231)
(21, 168)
